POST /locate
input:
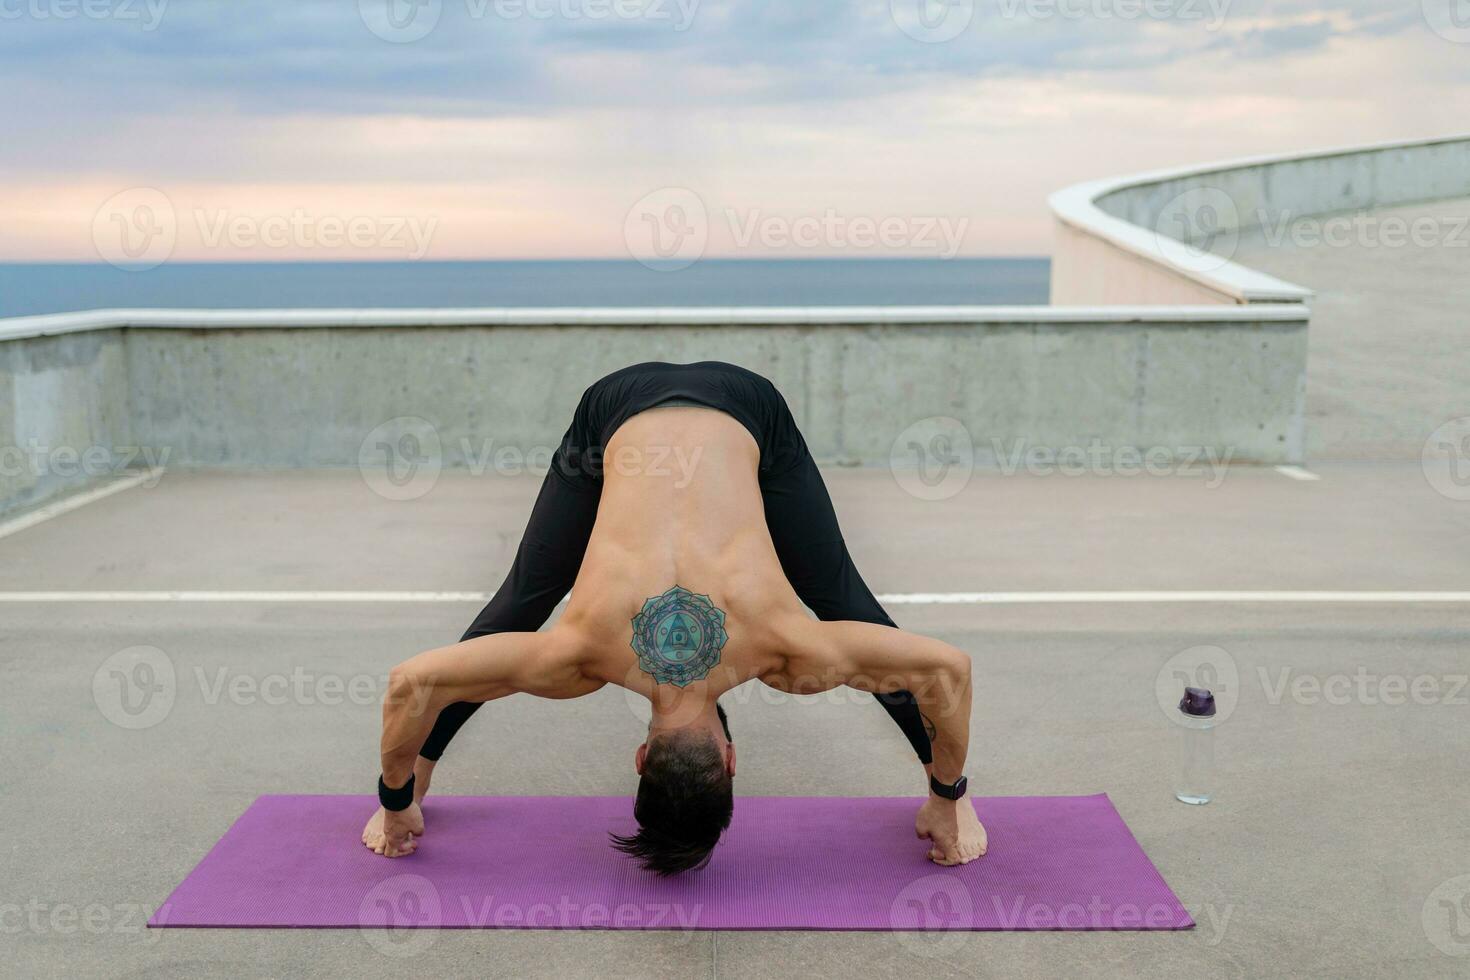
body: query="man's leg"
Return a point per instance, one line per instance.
(544, 569)
(814, 558)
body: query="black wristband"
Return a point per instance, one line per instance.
(949, 791)
(395, 799)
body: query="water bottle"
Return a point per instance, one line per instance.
(1197, 749)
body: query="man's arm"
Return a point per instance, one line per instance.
(879, 659)
(481, 669)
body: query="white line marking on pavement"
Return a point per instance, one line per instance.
(196, 596)
(1004, 598)
(894, 599)
(1297, 473)
(71, 503)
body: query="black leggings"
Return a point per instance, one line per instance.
(799, 514)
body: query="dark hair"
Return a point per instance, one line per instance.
(685, 799)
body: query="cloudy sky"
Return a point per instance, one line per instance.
(534, 128)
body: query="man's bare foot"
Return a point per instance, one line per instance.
(953, 828)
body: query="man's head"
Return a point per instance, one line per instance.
(685, 795)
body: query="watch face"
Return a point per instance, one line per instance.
(962, 784)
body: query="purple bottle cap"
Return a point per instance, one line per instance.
(1197, 701)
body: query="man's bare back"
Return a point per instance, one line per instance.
(680, 597)
(700, 528)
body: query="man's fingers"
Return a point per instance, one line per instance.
(399, 848)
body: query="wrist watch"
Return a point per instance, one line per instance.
(950, 791)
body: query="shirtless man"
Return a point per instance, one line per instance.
(691, 524)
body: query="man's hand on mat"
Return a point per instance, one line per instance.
(953, 828)
(394, 834)
(423, 774)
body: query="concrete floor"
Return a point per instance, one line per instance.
(1334, 826)
(1389, 359)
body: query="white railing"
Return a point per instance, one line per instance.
(1155, 237)
(54, 324)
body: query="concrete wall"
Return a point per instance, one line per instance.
(307, 388)
(1084, 265)
(310, 397)
(63, 413)
(1122, 240)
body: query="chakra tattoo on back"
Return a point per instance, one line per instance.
(678, 637)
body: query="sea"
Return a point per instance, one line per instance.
(27, 288)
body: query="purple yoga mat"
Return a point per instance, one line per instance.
(1057, 862)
